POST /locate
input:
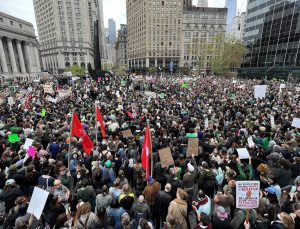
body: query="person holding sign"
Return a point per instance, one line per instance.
(245, 171)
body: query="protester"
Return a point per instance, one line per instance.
(223, 116)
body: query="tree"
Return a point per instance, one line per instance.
(76, 70)
(152, 70)
(120, 71)
(227, 54)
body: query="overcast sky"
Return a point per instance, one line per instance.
(115, 9)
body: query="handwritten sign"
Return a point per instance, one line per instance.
(48, 89)
(260, 91)
(193, 147)
(272, 121)
(127, 133)
(166, 158)
(247, 194)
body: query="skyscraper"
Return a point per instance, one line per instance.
(237, 27)
(102, 45)
(112, 31)
(272, 36)
(66, 33)
(202, 3)
(232, 8)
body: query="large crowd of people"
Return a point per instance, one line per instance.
(108, 187)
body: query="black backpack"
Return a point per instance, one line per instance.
(138, 215)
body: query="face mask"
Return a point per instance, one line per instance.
(78, 176)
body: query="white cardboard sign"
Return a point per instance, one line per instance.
(37, 202)
(260, 91)
(296, 122)
(28, 143)
(247, 194)
(243, 153)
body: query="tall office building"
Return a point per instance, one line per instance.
(237, 27)
(101, 30)
(19, 55)
(112, 31)
(66, 32)
(121, 47)
(231, 5)
(202, 3)
(272, 36)
(154, 32)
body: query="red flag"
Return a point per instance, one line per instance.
(146, 151)
(78, 131)
(100, 119)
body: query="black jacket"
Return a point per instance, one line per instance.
(161, 205)
(9, 196)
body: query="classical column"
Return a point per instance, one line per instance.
(37, 59)
(21, 58)
(2, 58)
(12, 56)
(155, 62)
(29, 58)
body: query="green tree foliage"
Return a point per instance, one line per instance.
(152, 70)
(76, 70)
(227, 54)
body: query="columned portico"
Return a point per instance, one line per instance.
(21, 58)
(12, 56)
(3, 58)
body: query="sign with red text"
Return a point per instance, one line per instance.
(247, 194)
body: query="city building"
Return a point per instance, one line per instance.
(202, 3)
(66, 33)
(112, 31)
(200, 26)
(19, 55)
(237, 27)
(272, 36)
(121, 47)
(101, 29)
(231, 5)
(154, 29)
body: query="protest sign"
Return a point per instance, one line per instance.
(48, 89)
(243, 153)
(13, 138)
(247, 194)
(37, 202)
(193, 147)
(43, 113)
(282, 86)
(272, 121)
(31, 151)
(166, 158)
(250, 141)
(260, 91)
(120, 100)
(206, 123)
(296, 122)
(64, 93)
(10, 101)
(28, 142)
(127, 133)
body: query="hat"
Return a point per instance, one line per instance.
(10, 182)
(150, 180)
(273, 156)
(271, 190)
(107, 163)
(190, 168)
(221, 213)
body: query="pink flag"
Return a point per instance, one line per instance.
(31, 151)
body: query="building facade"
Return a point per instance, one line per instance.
(237, 27)
(272, 36)
(19, 55)
(101, 29)
(231, 5)
(121, 47)
(200, 26)
(66, 33)
(154, 29)
(112, 31)
(202, 3)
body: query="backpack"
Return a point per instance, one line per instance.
(138, 215)
(86, 221)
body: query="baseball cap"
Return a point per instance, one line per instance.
(271, 190)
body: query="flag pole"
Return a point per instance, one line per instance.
(96, 126)
(70, 136)
(151, 158)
